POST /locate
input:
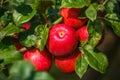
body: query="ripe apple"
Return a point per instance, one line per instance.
(75, 22)
(26, 26)
(67, 64)
(18, 45)
(83, 34)
(41, 60)
(62, 40)
(69, 12)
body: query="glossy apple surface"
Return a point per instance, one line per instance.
(42, 61)
(83, 34)
(75, 22)
(62, 40)
(69, 12)
(67, 64)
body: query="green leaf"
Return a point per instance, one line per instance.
(95, 32)
(75, 3)
(113, 6)
(24, 13)
(10, 29)
(41, 32)
(98, 6)
(2, 76)
(91, 13)
(42, 76)
(97, 60)
(16, 2)
(6, 18)
(81, 66)
(21, 69)
(114, 21)
(9, 54)
(29, 41)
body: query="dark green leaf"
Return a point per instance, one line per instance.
(95, 32)
(29, 41)
(113, 7)
(21, 69)
(42, 76)
(9, 54)
(75, 3)
(41, 32)
(91, 13)
(24, 13)
(114, 21)
(6, 18)
(98, 6)
(10, 29)
(97, 60)
(2, 76)
(16, 2)
(81, 66)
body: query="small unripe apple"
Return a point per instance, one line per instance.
(42, 61)
(75, 22)
(67, 64)
(83, 34)
(69, 12)
(62, 40)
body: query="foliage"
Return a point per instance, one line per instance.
(42, 14)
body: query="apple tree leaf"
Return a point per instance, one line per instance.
(21, 70)
(96, 59)
(9, 54)
(113, 20)
(24, 12)
(91, 13)
(95, 32)
(9, 30)
(113, 6)
(81, 66)
(43, 76)
(75, 3)
(41, 32)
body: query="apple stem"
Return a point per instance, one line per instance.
(57, 21)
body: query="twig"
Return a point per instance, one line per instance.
(105, 2)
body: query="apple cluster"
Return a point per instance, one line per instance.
(62, 44)
(64, 38)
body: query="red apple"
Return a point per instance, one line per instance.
(83, 34)
(67, 64)
(18, 45)
(26, 26)
(41, 60)
(62, 40)
(69, 12)
(75, 22)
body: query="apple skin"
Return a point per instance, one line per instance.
(18, 45)
(42, 61)
(67, 64)
(62, 40)
(69, 12)
(83, 34)
(75, 22)
(26, 26)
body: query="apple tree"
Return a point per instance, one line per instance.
(35, 34)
